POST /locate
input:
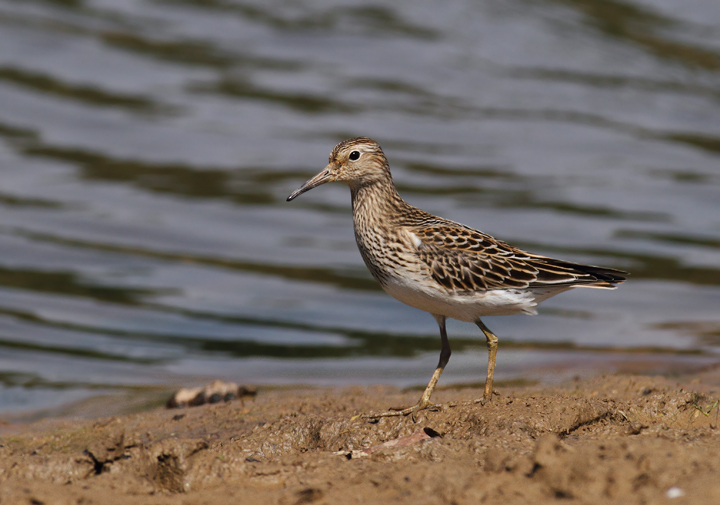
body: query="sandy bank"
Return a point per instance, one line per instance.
(617, 439)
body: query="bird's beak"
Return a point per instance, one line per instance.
(316, 181)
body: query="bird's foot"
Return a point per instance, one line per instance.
(485, 399)
(413, 411)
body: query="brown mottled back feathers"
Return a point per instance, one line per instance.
(463, 259)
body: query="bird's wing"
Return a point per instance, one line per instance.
(463, 259)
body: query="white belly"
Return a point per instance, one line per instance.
(467, 307)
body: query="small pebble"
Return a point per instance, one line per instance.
(675, 492)
(216, 392)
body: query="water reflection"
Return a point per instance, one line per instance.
(147, 148)
(67, 283)
(85, 94)
(641, 26)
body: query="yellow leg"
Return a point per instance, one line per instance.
(492, 344)
(424, 401)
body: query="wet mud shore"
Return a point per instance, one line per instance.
(612, 439)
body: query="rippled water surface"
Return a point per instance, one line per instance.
(147, 147)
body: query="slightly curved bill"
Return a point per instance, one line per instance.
(316, 181)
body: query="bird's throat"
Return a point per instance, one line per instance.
(378, 200)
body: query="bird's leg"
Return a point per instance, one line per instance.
(445, 352)
(424, 401)
(492, 344)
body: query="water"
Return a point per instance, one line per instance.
(147, 147)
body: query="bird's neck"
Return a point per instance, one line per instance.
(376, 199)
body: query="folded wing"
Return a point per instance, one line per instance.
(463, 259)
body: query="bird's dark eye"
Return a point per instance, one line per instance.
(354, 155)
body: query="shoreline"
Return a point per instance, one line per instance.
(559, 363)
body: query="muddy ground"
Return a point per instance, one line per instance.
(615, 439)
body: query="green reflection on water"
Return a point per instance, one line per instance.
(643, 27)
(16, 133)
(188, 52)
(362, 343)
(77, 352)
(706, 332)
(672, 238)
(705, 142)
(16, 201)
(68, 283)
(603, 80)
(238, 88)
(86, 94)
(368, 19)
(178, 179)
(311, 274)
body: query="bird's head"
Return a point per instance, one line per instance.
(356, 162)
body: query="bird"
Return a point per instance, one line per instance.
(439, 266)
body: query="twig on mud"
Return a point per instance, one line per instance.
(706, 413)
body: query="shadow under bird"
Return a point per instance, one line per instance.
(439, 266)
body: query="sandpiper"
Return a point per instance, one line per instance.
(439, 266)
